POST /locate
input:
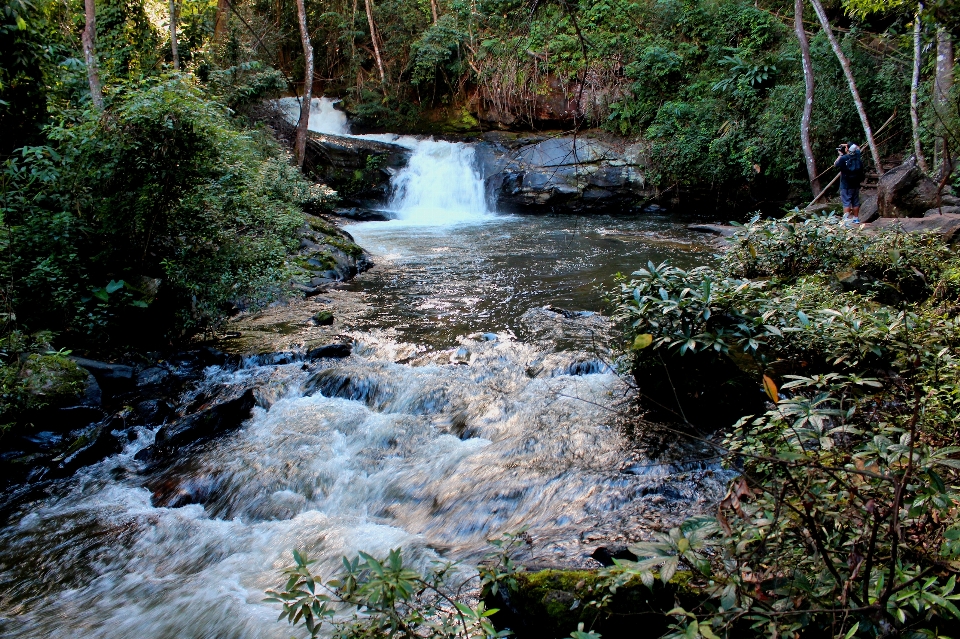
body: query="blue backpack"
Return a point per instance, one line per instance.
(855, 164)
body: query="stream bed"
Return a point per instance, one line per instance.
(481, 396)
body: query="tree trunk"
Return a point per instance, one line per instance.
(941, 93)
(173, 35)
(304, 121)
(434, 11)
(373, 38)
(914, 88)
(848, 72)
(808, 156)
(89, 37)
(220, 21)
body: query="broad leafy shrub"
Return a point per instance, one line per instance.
(843, 520)
(146, 222)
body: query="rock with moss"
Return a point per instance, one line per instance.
(551, 603)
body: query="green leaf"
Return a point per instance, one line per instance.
(114, 286)
(642, 341)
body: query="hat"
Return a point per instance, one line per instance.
(854, 147)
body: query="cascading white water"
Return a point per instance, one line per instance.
(416, 440)
(439, 185)
(324, 118)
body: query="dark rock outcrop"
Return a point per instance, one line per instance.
(112, 378)
(358, 169)
(204, 425)
(330, 351)
(905, 191)
(362, 215)
(567, 174)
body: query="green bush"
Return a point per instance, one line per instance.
(148, 221)
(843, 519)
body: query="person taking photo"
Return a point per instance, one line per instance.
(850, 165)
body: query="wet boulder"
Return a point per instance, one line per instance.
(87, 447)
(112, 378)
(204, 425)
(330, 351)
(905, 191)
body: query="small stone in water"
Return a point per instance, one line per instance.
(323, 318)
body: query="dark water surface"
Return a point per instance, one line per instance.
(436, 282)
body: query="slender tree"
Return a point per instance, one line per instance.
(304, 121)
(173, 34)
(88, 38)
(373, 38)
(848, 72)
(434, 11)
(943, 82)
(808, 156)
(914, 89)
(220, 21)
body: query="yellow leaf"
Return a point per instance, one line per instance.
(753, 250)
(771, 389)
(642, 341)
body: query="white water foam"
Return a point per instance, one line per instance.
(440, 185)
(324, 118)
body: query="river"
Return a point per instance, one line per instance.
(482, 395)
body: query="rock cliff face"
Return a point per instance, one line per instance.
(563, 174)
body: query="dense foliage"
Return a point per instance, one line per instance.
(844, 518)
(147, 222)
(153, 216)
(390, 598)
(714, 87)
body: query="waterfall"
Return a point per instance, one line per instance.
(439, 185)
(324, 118)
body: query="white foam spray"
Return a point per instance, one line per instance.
(324, 117)
(440, 185)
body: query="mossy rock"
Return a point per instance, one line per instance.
(549, 604)
(52, 380)
(323, 318)
(320, 225)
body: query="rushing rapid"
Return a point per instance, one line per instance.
(481, 395)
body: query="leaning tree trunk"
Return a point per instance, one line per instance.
(90, 53)
(808, 156)
(914, 89)
(173, 35)
(941, 93)
(373, 38)
(304, 121)
(848, 72)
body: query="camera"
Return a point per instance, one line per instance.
(842, 149)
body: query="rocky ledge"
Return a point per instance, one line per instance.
(568, 174)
